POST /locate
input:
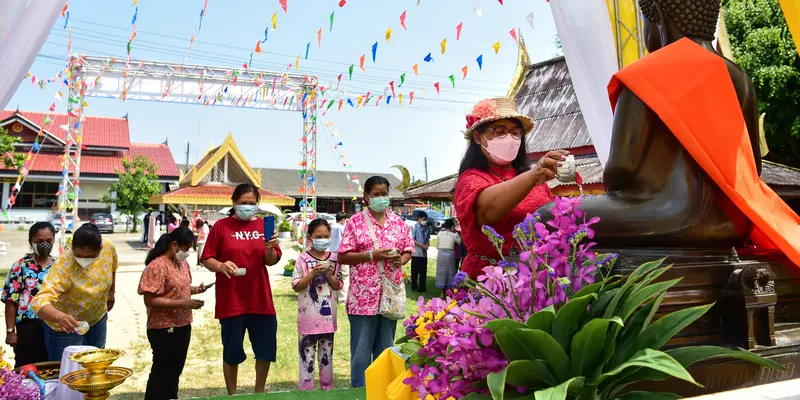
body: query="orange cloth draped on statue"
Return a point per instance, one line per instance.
(691, 91)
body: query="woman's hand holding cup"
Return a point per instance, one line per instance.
(68, 324)
(545, 169)
(194, 304)
(385, 255)
(228, 268)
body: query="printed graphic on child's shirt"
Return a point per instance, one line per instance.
(316, 305)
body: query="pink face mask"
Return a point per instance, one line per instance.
(503, 150)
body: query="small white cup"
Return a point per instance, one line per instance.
(567, 171)
(83, 328)
(240, 272)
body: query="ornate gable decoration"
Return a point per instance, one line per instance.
(226, 154)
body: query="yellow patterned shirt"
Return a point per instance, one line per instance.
(79, 292)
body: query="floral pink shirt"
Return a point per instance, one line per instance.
(364, 294)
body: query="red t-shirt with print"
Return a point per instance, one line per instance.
(242, 242)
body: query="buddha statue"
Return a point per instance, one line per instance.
(658, 196)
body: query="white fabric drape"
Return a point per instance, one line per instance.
(587, 40)
(24, 26)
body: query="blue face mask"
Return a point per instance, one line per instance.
(321, 244)
(379, 204)
(245, 211)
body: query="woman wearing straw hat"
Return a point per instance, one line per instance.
(497, 186)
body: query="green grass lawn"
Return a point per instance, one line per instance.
(203, 378)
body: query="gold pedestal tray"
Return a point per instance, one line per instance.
(98, 377)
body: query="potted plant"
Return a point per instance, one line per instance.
(284, 230)
(288, 269)
(555, 326)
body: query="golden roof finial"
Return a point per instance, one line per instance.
(523, 62)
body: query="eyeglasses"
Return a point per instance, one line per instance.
(501, 132)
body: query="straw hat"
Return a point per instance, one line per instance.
(495, 109)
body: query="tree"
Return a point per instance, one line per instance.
(137, 183)
(762, 45)
(557, 44)
(11, 159)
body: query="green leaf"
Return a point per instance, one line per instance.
(649, 396)
(641, 272)
(690, 355)
(599, 307)
(635, 301)
(569, 317)
(476, 396)
(636, 324)
(649, 278)
(542, 320)
(403, 339)
(655, 360)
(410, 348)
(533, 344)
(530, 374)
(559, 392)
(498, 324)
(587, 345)
(686, 356)
(646, 268)
(593, 288)
(657, 334)
(497, 384)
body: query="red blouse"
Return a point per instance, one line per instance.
(481, 252)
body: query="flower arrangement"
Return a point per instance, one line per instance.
(534, 327)
(13, 388)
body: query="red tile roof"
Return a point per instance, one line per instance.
(97, 131)
(160, 154)
(108, 165)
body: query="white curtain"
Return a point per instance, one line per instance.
(24, 26)
(587, 40)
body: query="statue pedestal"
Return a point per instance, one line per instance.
(757, 308)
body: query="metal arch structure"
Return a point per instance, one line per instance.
(628, 26)
(107, 77)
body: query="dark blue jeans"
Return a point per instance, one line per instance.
(370, 335)
(56, 342)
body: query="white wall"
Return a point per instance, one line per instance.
(92, 191)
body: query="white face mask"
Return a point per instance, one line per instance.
(181, 255)
(85, 262)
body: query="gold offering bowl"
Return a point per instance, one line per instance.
(98, 377)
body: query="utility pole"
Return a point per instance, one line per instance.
(425, 161)
(187, 155)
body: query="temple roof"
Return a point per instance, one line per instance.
(441, 188)
(214, 195)
(202, 170)
(330, 184)
(547, 95)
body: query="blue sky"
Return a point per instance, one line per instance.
(374, 138)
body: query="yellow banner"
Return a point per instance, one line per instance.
(791, 10)
(626, 15)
